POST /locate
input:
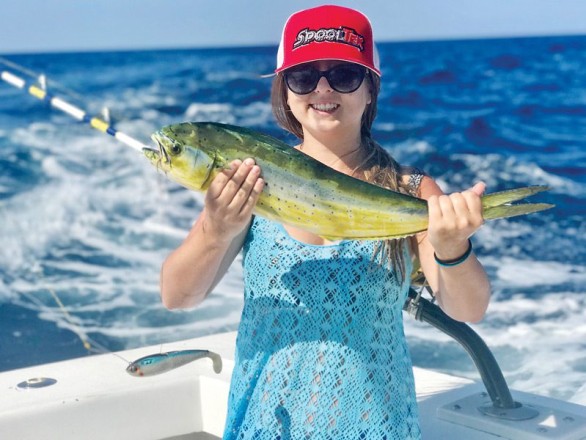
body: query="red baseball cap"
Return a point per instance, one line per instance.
(327, 33)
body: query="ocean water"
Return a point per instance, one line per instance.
(87, 221)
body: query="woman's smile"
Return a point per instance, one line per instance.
(324, 107)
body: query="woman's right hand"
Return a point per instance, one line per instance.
(230, 199)
(192, 270)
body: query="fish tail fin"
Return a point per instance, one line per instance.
(505, 211)
(217, 361)
(497, 205)
(511, 195)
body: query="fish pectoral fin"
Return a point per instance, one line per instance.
(214, 166)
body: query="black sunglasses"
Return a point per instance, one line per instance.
(343, 78)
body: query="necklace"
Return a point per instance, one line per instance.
(349, 170)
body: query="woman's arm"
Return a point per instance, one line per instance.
(193, 269)
(463, 291)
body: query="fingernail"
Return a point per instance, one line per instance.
(249, 161)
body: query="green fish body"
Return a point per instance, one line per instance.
(301, 191)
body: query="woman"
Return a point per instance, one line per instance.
(320, 350)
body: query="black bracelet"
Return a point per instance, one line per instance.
(455, 261)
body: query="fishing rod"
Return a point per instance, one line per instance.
(39, 90)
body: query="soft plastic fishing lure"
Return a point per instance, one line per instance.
(163, 362)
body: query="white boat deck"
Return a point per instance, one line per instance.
(94, 398)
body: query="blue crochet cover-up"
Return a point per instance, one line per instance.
(320, 352)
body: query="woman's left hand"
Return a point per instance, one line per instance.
(453, 219)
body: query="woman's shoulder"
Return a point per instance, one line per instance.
(412, 178)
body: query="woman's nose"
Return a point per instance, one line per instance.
(323, 85)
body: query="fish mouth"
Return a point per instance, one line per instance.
(160, 156)
(151, 153)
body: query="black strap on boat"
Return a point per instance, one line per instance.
(490, 372)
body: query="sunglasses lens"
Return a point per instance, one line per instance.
(303, 80)
(346, 78)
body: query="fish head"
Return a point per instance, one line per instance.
(134, 369)
(180, 155)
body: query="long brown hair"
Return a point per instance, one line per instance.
(378, 167)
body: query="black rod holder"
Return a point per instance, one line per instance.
(490, 372)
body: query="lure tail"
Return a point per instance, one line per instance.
(498, 205)
(217, 362)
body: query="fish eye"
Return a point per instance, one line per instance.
(175, 149)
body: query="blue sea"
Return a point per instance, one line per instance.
(86, 221)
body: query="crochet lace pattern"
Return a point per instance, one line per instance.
(320, 352)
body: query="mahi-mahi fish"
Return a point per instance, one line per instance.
(301, 191)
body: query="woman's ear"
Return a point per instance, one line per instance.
(369, 100)
(370, 87)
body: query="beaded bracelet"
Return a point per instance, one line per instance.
(455, 261)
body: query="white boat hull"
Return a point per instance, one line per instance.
(95, 398)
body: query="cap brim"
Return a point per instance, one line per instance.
(281, 69)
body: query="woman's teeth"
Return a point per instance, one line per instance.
(324, 107)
